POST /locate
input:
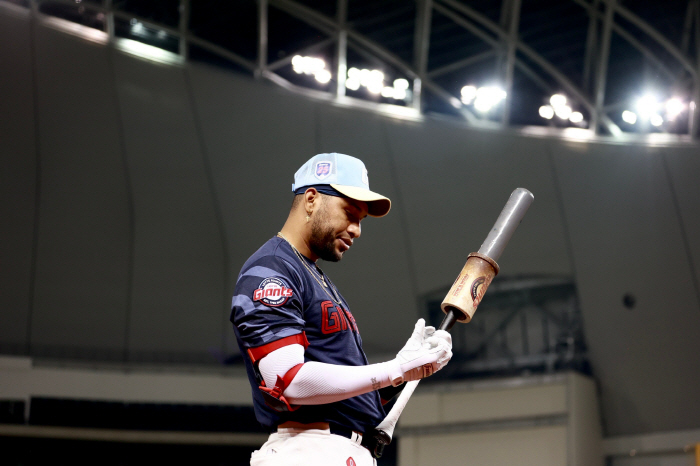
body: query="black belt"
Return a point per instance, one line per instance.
(369, 440)
(344, 431)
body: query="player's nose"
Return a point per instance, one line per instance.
(354, 230)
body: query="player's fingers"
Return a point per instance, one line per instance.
(444, 359)
(444, 335)
(419, 328)
(429, 331)
(438, 340)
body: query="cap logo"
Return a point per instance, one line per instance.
(323, 170)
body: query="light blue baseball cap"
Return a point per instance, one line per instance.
(346, 175)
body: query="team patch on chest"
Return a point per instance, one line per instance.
(335, 318)
(273, 292)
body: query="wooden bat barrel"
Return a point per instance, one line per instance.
(465, 295)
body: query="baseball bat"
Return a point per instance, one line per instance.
(466, 293)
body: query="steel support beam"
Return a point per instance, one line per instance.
(512, 42)
(421, 47)
(218, 50)
(461, 63)
(184, 22)
(629, 38)
(601, 71)
(109, 19)
(688, 25)
(493, 42)
(654, 34)
(694, 109)
(591, 45)
(550, 69)
(311, 49)
(697, 33)
(341, 51)
(366, 46)
(262, 39)
(503, 24)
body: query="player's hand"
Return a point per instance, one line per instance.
(426, 352)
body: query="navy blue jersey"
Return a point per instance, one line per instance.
(276, 297)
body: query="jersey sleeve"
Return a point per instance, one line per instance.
(267, 304)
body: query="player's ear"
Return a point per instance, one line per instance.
(312, 199)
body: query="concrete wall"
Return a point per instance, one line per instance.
(133, 191)
(549, 421)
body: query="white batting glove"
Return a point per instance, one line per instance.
(426, 352)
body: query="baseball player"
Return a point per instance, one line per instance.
(313, 388)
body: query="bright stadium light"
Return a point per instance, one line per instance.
(468, 94)
(399, 94)
(400, 84)
(563, 111)
(323, 76)
(647, 106)
(388, 92)
(674, 107)
(488, 97)
(546, 111)
(312, 66)
(656, 120)
(576, 117)
(365, 77)
(629, 117)
(353, 84)
(137, 28)
(373, 80)
(375, 87)
(376, 76)
(557, 100)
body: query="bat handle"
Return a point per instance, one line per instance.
(450, 318)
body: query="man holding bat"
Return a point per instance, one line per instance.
(313, 388)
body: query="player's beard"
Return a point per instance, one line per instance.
(322, 241)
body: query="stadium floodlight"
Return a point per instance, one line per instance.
(373, 80)
(376, 76)
(375, 87)
(365, 77)
(674, 107)
(576, 117)
(312, 66)
(488, 97)
(629, 117)
(388, 92)
(137, 28)
(647, 106)
(656, 120)
(557, 100)
(400, 84)
(323, 76)
(298, 64)
(468, 94)
(546, 111)
(563, 111)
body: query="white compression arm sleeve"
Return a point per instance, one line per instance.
(320, 383)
